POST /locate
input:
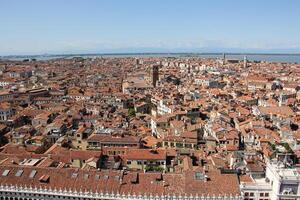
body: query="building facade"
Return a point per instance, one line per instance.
(280, 183)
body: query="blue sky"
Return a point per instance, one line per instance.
(88, 26)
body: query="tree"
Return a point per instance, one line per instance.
(154, 168)
(131, 112)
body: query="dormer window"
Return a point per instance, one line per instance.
(44, 179)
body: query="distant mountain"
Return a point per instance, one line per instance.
(184, 50)
(143, 50)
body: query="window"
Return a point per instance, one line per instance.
(139, 162)
(251, 194)
(266, 194)
(128, 162)
(179, 145)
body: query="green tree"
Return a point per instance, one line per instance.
(131, 112)
(154, 168)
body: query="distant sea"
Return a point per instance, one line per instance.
(286, 58)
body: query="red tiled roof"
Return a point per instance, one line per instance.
(146, 154)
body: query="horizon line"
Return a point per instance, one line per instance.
(147, 53)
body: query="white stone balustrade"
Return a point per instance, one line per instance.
(30, 192)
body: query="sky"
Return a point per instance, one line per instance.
(121, 26)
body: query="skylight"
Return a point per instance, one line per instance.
(199, 176)
(5, 173)
(19, 173)
(86, 176)
(32, 174)
(74, 175)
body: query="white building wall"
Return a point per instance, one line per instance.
(280, 183)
